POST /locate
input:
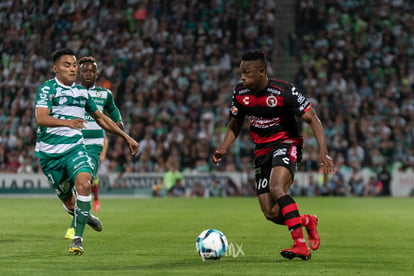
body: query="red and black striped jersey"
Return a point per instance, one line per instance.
(271, 112)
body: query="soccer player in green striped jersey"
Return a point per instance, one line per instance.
(93, 134)
(60, 116)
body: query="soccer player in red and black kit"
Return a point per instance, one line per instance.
(272, 107)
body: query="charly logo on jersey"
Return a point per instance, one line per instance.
(271, 101)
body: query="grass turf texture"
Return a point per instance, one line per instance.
(360, 236)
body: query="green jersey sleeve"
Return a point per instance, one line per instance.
(45, 94)
(90, 105)
(112, 109)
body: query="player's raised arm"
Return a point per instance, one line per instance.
(106, 123)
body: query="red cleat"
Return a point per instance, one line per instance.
(311, 229)
(298, 250)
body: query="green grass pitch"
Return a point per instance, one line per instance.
(360, 236)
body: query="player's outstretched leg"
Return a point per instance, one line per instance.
(293, 221)
(311, 223)
(94, 222)
(82, 214)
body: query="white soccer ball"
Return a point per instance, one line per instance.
(211, 244)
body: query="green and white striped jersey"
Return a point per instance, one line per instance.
(64, 102)
(93, 134)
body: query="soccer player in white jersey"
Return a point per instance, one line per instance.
(60, 116)
(93, 134)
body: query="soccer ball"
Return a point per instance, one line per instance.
(211, 244)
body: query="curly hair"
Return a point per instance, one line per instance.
(83, 60)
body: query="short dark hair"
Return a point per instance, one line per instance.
(254, 55)
(56, 55)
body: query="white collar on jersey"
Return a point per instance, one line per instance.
(61, 84)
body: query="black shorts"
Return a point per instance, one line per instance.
(285, 155)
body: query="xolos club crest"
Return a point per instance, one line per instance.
(271, 101)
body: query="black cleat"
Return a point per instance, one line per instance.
(95, 223)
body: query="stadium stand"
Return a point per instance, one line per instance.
(173, 64)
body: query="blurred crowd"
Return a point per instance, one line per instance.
(357, 64)
(172, 66)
